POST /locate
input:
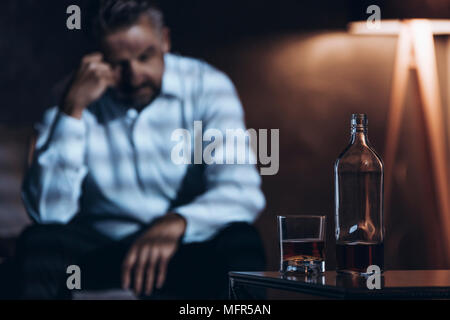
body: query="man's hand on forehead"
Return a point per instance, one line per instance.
(93, 78)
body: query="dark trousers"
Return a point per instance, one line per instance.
(196, 271)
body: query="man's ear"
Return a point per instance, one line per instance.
(167, 44)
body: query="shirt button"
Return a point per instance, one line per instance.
(132, 113)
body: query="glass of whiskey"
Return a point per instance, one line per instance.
(302, 244)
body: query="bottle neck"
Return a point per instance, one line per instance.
(359, 135)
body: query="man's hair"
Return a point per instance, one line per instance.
(116, 14)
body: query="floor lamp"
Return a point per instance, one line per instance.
(416, 52)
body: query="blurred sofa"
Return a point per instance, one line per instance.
(14, 142)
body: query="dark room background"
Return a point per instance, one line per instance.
(296, 69)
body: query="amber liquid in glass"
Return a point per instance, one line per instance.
(357, 256)
(303, 255)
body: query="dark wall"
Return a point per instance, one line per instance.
(37, 50)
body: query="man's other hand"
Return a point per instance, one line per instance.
(91, 80)
(152, 252)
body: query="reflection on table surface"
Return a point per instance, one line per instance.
(389, 279)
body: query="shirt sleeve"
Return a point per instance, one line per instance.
(52, 185)
(233, 192)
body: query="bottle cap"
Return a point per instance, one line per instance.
(359, 120)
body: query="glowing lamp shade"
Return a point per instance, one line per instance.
(394, 27)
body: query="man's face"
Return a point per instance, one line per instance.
(136, 54)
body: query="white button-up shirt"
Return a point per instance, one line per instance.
(115, 165)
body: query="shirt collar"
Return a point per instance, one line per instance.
(171, 82)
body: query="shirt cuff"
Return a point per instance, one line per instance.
(195, 231)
